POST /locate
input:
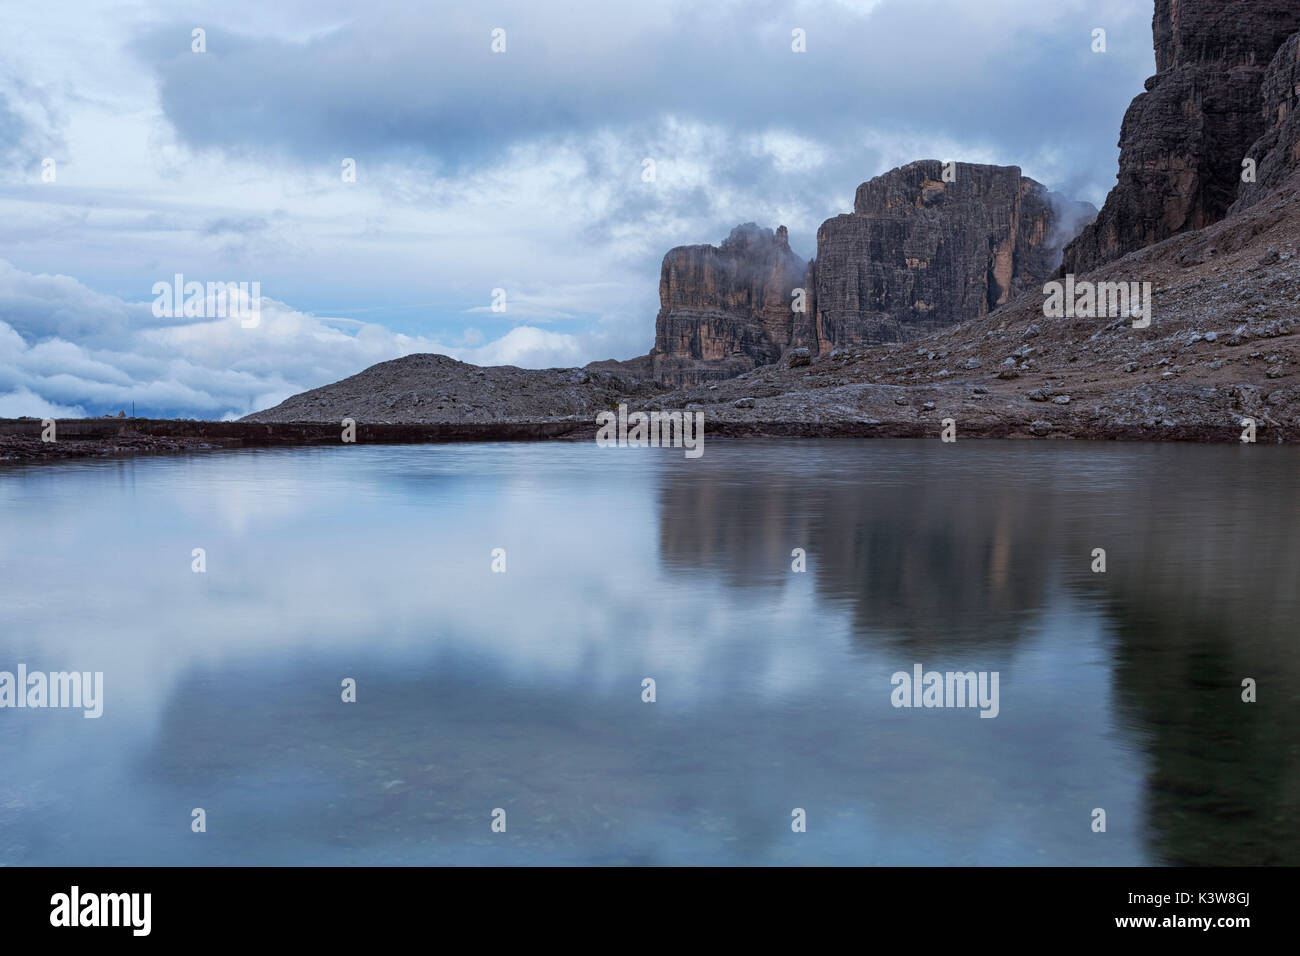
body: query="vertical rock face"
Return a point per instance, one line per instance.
(1230, 33)
(1277, 152)
(918, 253)
(1183, 140)
(725, 309)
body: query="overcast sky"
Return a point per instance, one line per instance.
(475, 170)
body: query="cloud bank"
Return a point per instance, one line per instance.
(67, 351)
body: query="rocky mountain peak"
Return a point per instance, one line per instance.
(1183, 141)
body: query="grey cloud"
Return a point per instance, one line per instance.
(395, 80)
(208, 367)
(238, 226)
(28, 127)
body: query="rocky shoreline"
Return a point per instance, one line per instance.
(20, 440)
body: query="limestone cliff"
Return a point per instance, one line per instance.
(1277, 151)
(921, 251)
(725, 309)
(1182, 142)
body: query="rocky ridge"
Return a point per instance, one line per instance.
(1183, 141)
(922, 250)
(429, 388)
(1223, 345)
(926, 246)
(726, 309)
(1277, 151)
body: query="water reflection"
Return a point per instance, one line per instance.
(1203, 555)
(523, 690)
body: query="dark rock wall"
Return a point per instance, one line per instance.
(1183, 140)
(1277, 151)
(725, 309)
(918, 253)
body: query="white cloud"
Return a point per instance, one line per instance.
(528, 347)
(23, 402)
(203, 368)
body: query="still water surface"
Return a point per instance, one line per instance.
(523, 690)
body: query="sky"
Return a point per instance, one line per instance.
(128, 156)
